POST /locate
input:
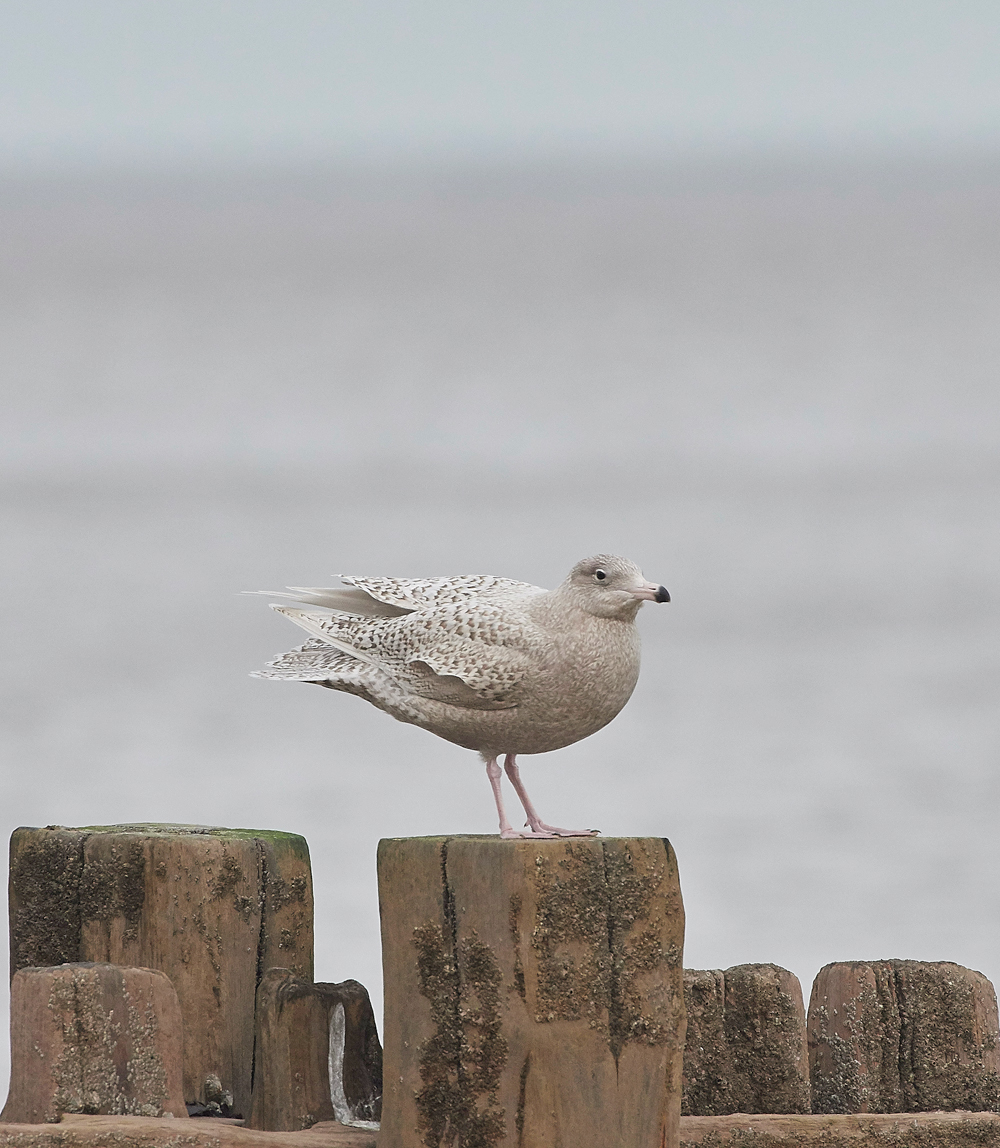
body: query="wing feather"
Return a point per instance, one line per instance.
(316, 661)
(346, 601)
(424, 593)
(473, 656)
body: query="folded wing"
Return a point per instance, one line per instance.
(474, 657)
(394, 597)
(424, 593)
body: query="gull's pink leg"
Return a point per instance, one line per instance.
(538, 826)
(507, 831)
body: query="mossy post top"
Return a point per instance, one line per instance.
(295, 842)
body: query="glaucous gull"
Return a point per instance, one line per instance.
(497, 666)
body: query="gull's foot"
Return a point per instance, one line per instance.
(543, 830)
(519, 834)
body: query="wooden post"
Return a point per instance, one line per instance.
(708, 1061)
(212, 908)
(854, 1038)
(766, 1030)
(96, 1039)
(533, 992)
(317, 1056)
(903, 1036)
(746, 1042)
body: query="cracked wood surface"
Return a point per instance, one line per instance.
(317, 1054)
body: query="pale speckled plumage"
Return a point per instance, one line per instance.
(495, 665)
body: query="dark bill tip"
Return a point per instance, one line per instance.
(663, 594)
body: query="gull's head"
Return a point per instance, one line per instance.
(611, 587)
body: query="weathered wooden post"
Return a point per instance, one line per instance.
(96, 1039)
(212, 908)
(533, 992)
(746, 1042)
(317, 1054)
(903, 1036)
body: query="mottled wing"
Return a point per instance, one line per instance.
(424, 593)
(471, 655)
(489, 649)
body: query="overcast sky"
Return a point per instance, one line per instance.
(124, 79)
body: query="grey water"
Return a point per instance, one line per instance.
(771, 382)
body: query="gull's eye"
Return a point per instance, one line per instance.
(600, 575)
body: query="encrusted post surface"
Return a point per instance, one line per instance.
(533, 992)
(212, 908)
(746, 1042)
(93, 1038)
(903, 1036)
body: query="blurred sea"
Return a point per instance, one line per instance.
(773, 383)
